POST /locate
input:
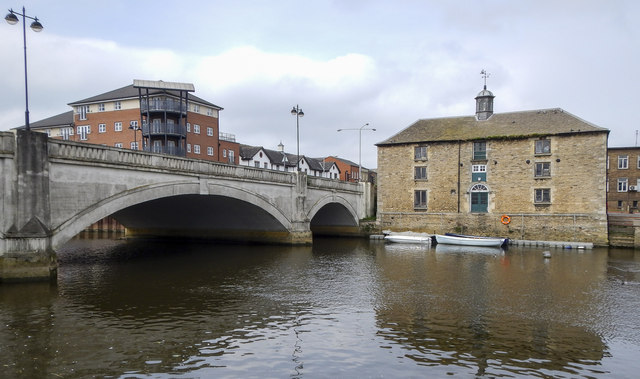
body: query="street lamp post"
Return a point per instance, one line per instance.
(36, 26)
(297, 111)
(135, 129)
(360, 129)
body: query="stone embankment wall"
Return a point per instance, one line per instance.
(624, 230)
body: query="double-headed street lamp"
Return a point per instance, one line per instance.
(297, 111)
(360, 129)
(134, 126)
(36, 26)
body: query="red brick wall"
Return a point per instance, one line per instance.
(109, 118)
(345, 169)
(202, 139)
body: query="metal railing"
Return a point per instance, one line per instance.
(163, 105)
(169, 150)
(227, 137)
(164, 128)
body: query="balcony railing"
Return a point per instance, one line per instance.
(169, 150)
(227, 137)
(164, 128)
(163, 105)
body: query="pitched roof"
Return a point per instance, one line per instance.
(500, 125)
(345, 161)
(247, 152)
(276, 157)
(130, 92)
(62, 119)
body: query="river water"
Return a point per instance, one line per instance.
(340, 308)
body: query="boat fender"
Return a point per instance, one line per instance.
(505, 219)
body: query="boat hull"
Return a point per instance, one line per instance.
(470, 240)
(408, 239)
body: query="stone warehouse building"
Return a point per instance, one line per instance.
(529, 175)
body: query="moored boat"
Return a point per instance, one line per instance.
(408, 238)
(458, 239)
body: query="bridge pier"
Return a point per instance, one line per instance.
(25, 251)
(27, 259)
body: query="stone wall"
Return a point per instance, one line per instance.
(577, 184)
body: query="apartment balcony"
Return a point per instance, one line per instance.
(164, 128)
(163, 106)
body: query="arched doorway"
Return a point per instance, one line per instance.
(479, 198)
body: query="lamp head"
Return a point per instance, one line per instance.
(300, 113)
(294, 111)
(36, 26)
(11, 18)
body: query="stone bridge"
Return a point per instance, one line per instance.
(52, 189)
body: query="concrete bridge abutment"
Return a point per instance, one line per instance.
(27, 254)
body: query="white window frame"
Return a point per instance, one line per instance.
(83, 132)
(196, 129)
(117, 105)
(188, 148)
(101, 107)
(134, 145)
(209, 112)
(623, 184)
(224, 153)
(188, 127)
(82, 112)
(210, 131)
(478, 168)
(623, 162)
(66, 133)
(209, 150)
(118, 144)
(102, 128)
(196, 149)
(117, 126)
(196, 108)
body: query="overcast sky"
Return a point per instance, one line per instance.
(346, 63)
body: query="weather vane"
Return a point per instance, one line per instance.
(485, 75)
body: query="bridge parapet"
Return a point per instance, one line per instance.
(7, 144)
(325, 183)
(82, 153)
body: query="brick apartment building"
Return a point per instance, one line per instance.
(154, 116)
(623, 179)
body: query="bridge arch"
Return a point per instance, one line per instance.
(139, 195)
(343, 215)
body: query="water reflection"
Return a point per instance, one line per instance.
(343, 307)
(494, 314)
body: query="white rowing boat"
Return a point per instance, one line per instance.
(470, 240)
(408, 238)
